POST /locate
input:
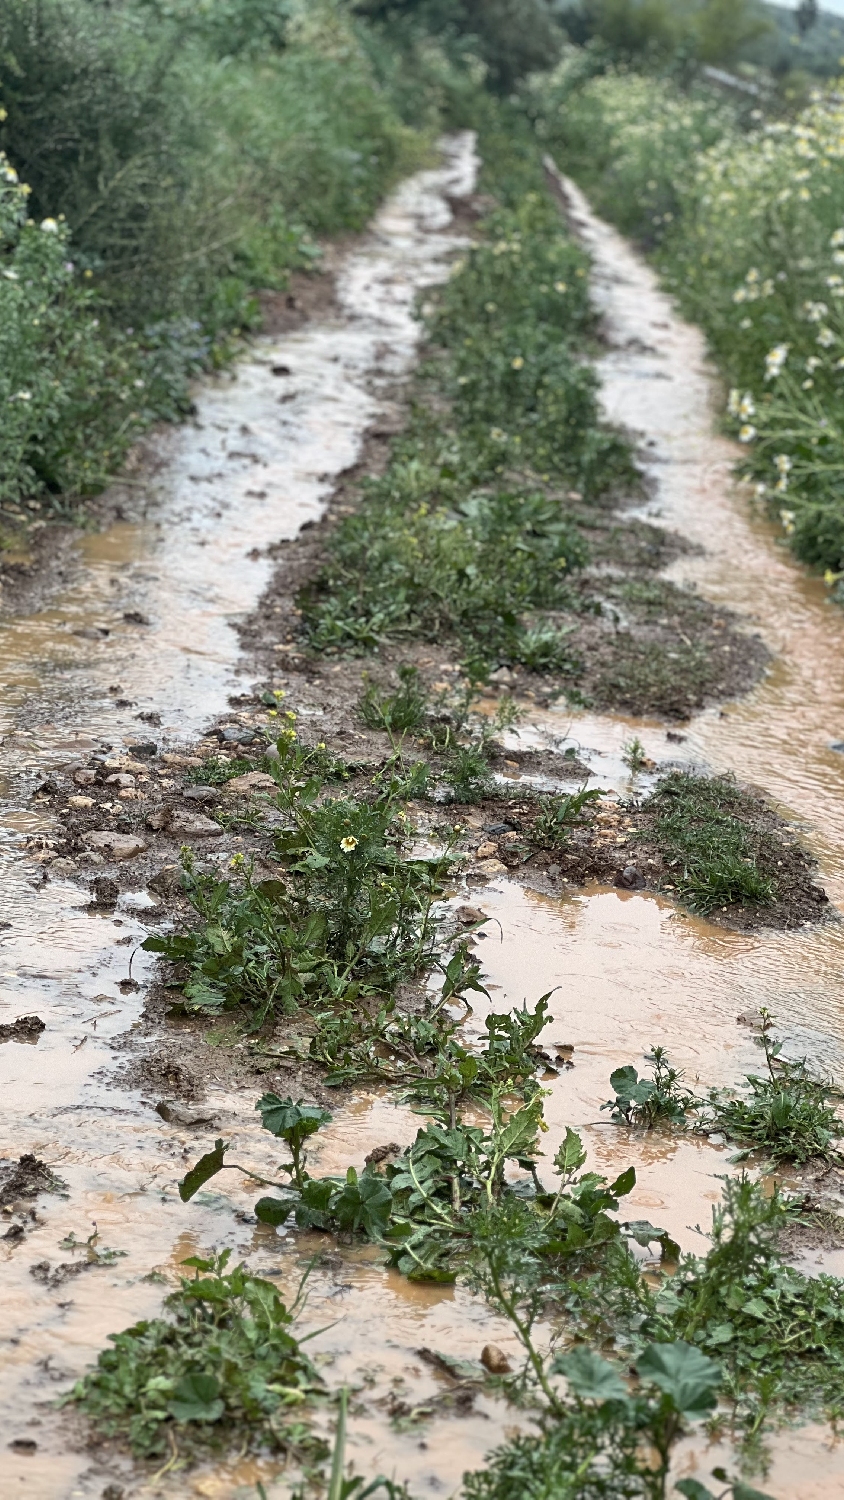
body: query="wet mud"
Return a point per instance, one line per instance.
(141, 647)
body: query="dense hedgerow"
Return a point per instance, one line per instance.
(747, 222)
(162, 162)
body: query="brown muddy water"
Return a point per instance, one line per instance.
(627, 969)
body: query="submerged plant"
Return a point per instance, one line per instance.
(221, 1370)
(647, 1102)
(788, 1114)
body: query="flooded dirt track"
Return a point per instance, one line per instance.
(145, 625)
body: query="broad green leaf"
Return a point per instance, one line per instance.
(196, 1398)
(274, 1210)
(743, 1491)
(571, 1154)
(590, 1376)
(623, 1184)
(693, 1489)
(207, 1167)
(690, 1378)
(283, 1117)
(624, 1080)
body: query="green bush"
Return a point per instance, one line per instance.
(181, 157)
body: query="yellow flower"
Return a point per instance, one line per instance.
(560, 286)
(517, 363)
(348, 844)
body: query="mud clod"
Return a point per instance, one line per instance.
(24, 1029)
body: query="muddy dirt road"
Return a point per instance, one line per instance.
(143, 625)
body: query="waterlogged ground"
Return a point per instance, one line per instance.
(628, 969)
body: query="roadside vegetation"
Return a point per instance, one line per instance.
(741, 207)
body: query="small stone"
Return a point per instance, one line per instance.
(63, 866)
(147, 749)
(130, 794)
(116, 845)
(630, 879)
(194, 826)
(171, 758)
(486, 850)
(495, 1360)
(492, 867)
(235, 734)
(166, 880)
(159, 818)
(84, 778)
(121, 779)
(469, 915)
(80, 802)
(553, 871)
(200, 793)
(502, 675)
(178, 1114)
(251, 781)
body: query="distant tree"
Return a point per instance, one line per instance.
(513, 37)
(807, 15)
(714, 31)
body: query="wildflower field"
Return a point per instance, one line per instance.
(745, 218)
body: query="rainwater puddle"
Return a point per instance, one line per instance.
(627, 970)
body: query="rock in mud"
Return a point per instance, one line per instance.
(177, 1114)
(630, 879)
(24, 1029)
(116, 845)
(105, 891)
(467, 916)
(166, 880)
(251, 781)
(200, 793)
(84, 778)
(495, 1360)
(193, 826)
(80, 802)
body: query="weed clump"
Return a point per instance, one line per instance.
(222, 1370)
(647, 1102)
(347, 918)
(788, 1114)
(714, 856)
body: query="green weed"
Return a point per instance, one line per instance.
(347, 918)
(560, 812)
(222, 1370)
(713, 855)
(398, 712)
(648, 1102)
(788, 1114)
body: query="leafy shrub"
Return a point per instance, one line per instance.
(347, 917)
(175, 179)
(222, 1370)
(647, 1102)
